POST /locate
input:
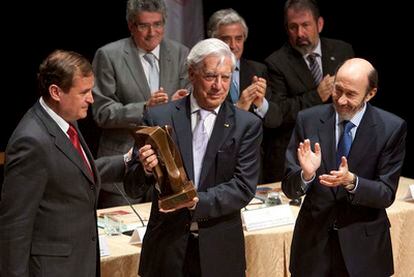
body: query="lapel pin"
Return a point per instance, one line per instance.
(332, 58)
(226, 125)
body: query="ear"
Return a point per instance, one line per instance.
(191, 73)
(131, 26)
(370, 94)
(54, 92)
(320, 24)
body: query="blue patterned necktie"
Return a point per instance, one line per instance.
(234, 91)
(200, 141)
(315, 68)
(153, 76)
(345, 142)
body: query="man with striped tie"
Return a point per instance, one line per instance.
(300, 76)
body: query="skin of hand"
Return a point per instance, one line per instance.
(339, 177)
(253, 94)
(181, 93)
(190, 205)
(261, 86)
(326, 87)
(159, 97)
(148, 157)
(149, 160)
(309, 161)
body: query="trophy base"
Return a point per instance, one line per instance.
(174, 200)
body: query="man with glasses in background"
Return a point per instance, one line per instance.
(133, 73)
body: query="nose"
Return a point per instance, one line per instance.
(301, 31)
(342, 100)
(218, 82)
(89, 98)
(232, 44)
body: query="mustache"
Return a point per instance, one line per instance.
(301, 41)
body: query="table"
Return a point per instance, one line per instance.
(268, 250)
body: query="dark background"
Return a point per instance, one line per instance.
(377, 30)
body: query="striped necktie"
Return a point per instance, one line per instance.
(315, 68)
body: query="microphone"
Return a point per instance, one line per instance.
(129, 203)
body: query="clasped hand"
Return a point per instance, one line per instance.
(310, 162)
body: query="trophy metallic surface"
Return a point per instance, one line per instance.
(172, 181)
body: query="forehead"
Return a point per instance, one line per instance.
(299, 16)
(234, 29)
(354, 82)
(214, 63)
(148, 17)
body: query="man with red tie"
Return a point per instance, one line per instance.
(48, 202)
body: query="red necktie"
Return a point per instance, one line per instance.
(74, 138)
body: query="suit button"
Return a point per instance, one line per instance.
(92, 187)
(93, 238)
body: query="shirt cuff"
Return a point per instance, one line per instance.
(262, 110)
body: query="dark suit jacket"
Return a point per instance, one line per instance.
(121, 90)
(228, 182)
(48, 203)
(376, 157)
(293, 89)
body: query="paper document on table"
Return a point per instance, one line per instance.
(409, 196)
(127, 220)
(138, 235)
(267, 217)
(103, 246)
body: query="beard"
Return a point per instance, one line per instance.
(347, 112)
(304, 46)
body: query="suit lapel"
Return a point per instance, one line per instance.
(181, 119)
(299, 66)
(329, 61)
(224, 125)
(165, 63)
(326, 133)
(63, 143)
(363, 139)
(133, 62)
(246, 75)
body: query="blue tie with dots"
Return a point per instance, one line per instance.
(345, 142)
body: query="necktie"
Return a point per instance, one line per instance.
(234, 91)
(200, 140)
(344, 144)
(315, 68)
(74, 138)
(153, 76)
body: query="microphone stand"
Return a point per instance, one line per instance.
(130, 204)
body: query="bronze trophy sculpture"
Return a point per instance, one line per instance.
(172, 181)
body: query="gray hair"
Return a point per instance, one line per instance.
(225, 17)
(210, 47)
(135, 7)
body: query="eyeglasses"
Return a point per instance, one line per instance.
(142, 27)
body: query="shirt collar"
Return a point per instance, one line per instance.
(195, 107)
(317, 51)
(63, 124)
(155, 52)
(356, 119)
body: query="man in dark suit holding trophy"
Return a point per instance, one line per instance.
(193, 238)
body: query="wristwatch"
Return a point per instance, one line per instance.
(351, 186)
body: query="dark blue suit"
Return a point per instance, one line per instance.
(228, 182)
(376, 157)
